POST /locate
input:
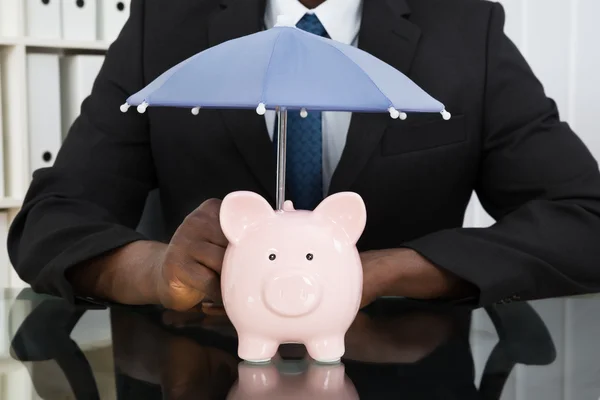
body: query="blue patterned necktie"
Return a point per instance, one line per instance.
(304, 173)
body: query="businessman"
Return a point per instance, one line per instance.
(76, 236)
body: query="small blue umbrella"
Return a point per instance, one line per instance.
(285, 68)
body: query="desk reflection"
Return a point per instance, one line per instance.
(394, 348)
(292, 380)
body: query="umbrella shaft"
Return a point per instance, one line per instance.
(281, 147)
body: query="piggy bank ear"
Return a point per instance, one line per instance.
(347, 210)
(241, 210)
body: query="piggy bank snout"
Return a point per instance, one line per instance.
(292, 294)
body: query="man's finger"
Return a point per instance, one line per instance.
(207, 254)
(179, 297)
(211, 206)
(201, 278)
(203, 227)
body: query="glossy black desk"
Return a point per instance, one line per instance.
(396, 349)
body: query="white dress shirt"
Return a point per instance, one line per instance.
(341, 19)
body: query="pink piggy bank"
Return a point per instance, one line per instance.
(292, 382)
(292, 276)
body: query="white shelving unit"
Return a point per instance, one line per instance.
(13, 53)
(15, 46)
(53, 44)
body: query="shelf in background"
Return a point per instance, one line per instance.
(53, 44)
(8, 203)
(7, 40)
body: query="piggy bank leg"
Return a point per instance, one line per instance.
(326, 350)
(256, 349)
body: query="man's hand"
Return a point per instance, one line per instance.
(404, 272)
(190, 269)
(374, 274)
(178, 275)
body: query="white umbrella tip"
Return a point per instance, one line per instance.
(261, 109)
(284, 20)
(446, 115)
(142, 107)
(124, 107)
(303, 113)
(196, 110)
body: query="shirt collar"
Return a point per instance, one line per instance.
(341, 18)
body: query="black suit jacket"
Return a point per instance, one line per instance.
(505, 141)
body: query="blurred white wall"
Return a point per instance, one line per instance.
(561, 41)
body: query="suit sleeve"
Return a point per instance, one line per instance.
(539, 182)
(91, 200)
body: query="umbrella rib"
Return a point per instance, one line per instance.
(265, 78)
(175, 70)
(361, 70)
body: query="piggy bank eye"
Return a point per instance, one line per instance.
(309, 256)
(272, 256)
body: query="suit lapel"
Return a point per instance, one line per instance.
(238, 18)
(388, 35)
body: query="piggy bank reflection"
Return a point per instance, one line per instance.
(292, 276)
(291, 380)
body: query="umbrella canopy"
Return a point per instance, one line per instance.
(286, 68)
